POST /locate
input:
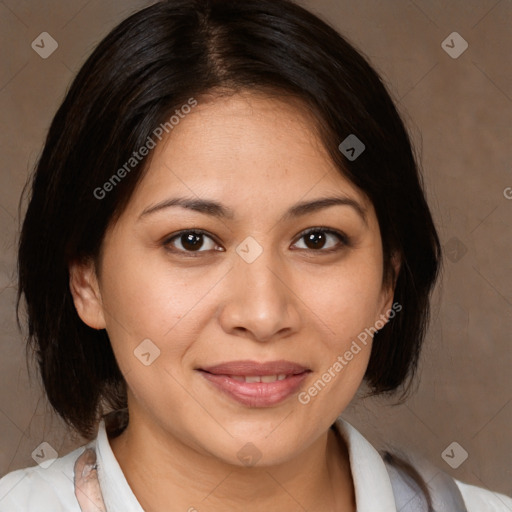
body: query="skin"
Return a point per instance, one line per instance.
(259, 157)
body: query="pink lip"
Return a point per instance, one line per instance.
(256, 394)
(252, 368)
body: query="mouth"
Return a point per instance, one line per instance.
(256, 384)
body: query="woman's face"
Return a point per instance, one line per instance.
(234, 285)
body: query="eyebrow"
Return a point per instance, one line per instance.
(319, 204)
(207, 207)
(216, 209)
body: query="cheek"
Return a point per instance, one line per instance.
(346, 301)
(154, 301)
(347, 313)
(153, 316)
(346, 307)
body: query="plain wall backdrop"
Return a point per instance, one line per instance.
(458, 107)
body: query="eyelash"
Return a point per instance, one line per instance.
(344, 240)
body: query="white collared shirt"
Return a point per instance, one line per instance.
(52, 489)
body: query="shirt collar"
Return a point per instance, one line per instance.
(117, 494)
(372, 485)
(371, 480)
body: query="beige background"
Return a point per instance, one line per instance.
(460, 114)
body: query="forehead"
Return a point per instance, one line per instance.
(240, 147)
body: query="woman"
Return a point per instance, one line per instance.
(227, 233)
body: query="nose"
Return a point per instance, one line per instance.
(260, 302)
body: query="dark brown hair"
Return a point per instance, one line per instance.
(145, 69)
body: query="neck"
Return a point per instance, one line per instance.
(163, 471)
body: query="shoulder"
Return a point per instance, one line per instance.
(39, 489)
(478, 499)
(447, 493)
(403, 481)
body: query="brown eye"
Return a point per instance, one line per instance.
(315, 240)
(191, 241)
(318, 239)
